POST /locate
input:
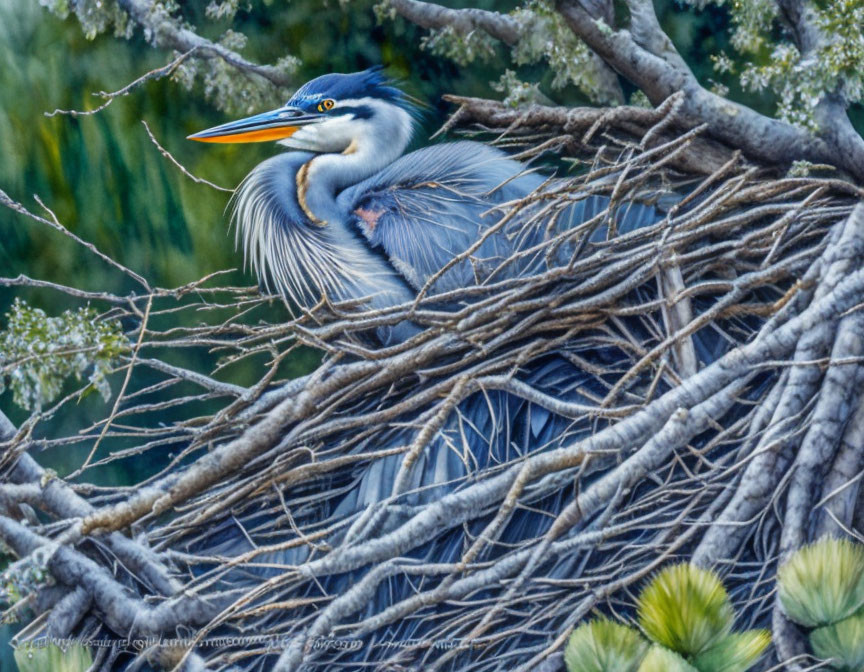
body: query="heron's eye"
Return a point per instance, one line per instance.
(326, 105)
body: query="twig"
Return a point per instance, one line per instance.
(167, 155)
(158, 73)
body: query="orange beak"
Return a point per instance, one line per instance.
(274, 125)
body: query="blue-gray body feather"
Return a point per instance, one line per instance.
(317, 261)
(434, 204)
(429, 207)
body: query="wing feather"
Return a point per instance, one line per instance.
(433, 204)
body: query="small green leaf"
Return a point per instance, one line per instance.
(736, 653)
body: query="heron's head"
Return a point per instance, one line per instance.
(331, 113)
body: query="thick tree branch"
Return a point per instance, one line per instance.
(166, 33)
(658, 70)
(799, 16)
(124, 614)
(843, 483)
(581, 124)
(774, 451)
(463, 21)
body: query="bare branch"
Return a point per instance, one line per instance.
(167, 33)
(55, 224)
(702, 157)
(463, 21)
(158, 73)
(164, 152)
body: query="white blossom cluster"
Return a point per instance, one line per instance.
(516, 92)
(38, 353)
(544, 37)
(95, 16)
(463, 49)
(772, 62)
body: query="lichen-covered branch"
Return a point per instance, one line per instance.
(165, 32)
(430, 15)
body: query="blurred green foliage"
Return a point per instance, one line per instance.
(71, 658)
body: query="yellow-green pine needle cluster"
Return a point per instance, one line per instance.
(823, 583)
(604, 646)
(686, 609)
(687, 614)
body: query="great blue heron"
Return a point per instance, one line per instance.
(345, 214)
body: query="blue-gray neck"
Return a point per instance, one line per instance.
(375, 143)
(307, 260)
